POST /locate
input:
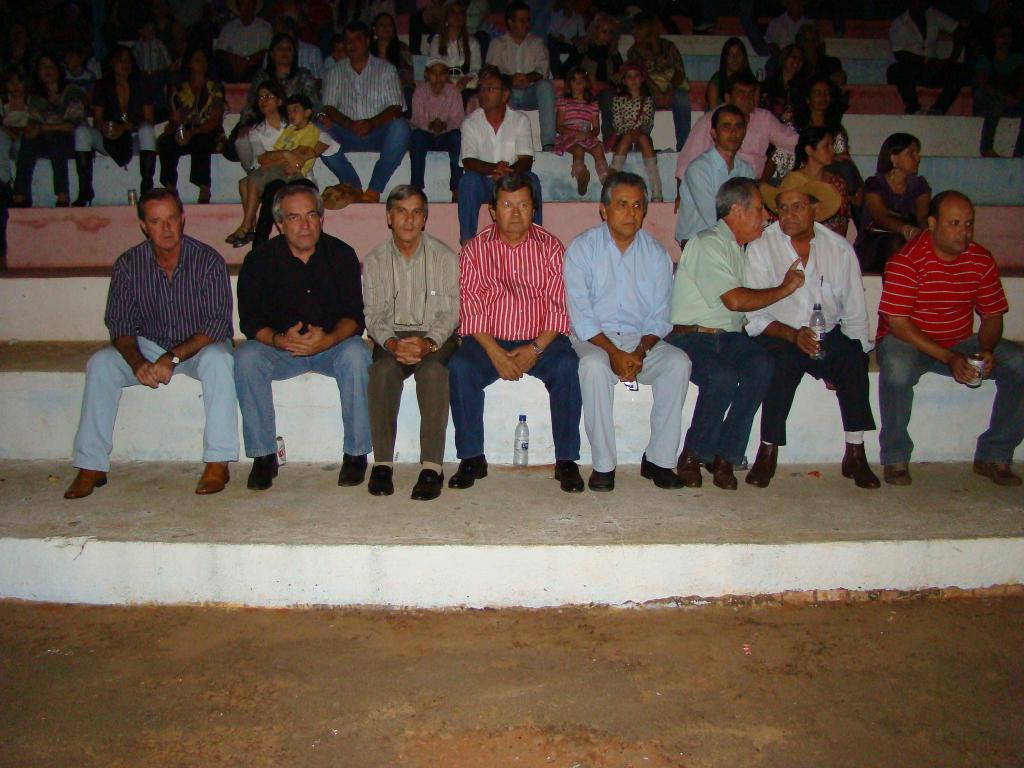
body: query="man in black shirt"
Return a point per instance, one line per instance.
(300, 305)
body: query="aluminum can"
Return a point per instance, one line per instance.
(282, 456)
(133, 198)
(979, 364)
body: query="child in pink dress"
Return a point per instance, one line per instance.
(577, 121)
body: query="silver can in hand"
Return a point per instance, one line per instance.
(979, 365)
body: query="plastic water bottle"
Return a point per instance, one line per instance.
(817, 326)
(521, 448)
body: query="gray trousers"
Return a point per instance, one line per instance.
(666, 369)
(384, 395)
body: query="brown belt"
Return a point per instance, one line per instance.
(695, 329)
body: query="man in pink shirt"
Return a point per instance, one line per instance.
(437, 113)
(763, 130)
(513, 321)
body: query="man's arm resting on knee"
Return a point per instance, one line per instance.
(625, 365)
(802, 337)
(904, 329)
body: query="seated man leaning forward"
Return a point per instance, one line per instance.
(932, 288)
(363, 105)
(496, 141)
(513, 322)
(831, 279)
(411, 301)
(168, 311)
(618, 283)
(709, 299)
(300, 306)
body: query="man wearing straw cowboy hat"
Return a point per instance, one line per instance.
(832, 279)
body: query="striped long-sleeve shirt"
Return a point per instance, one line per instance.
(940, 297)
(512, 292)
(143, 302)
(362, 95)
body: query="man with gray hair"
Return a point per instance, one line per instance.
(300, 306)
(617, 285)
(411, 302)
(708, 305)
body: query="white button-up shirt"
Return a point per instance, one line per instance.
(904, 34)
(512, 139)
(831, 278)
(514, 58)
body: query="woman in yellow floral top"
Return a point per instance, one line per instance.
(197, 112)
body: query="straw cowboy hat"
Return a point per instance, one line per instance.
(826, 195)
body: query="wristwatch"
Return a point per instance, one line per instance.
(174, 359)
(537, 350)
(432, 345)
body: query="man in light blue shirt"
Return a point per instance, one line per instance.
(706, 174)
(618, 283)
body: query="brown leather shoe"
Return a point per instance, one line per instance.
(214, 478)
(721, 471)
(688, 469)
(84, 482)
(897, 474)
(764, 466)
(855, 465)
(1000, 474)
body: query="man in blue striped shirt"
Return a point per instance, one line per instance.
(168, 311)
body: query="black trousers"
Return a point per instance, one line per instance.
(200, 148)
(845, 366)
(906, 75)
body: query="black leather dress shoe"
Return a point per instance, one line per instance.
(567, 473)
(469, 471)
(381, 483)
(428, 486)
(663, 478)
(263, 472)
(764, 466)
(601, 481)
(353, 470)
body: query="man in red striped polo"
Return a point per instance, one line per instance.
(513, 322)
(932, 289)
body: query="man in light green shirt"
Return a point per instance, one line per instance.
(708, 305)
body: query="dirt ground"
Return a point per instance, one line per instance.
(922, 683)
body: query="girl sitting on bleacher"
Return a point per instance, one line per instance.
(578, 124)
(633, 121)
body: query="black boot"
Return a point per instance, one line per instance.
(83, 164)
(147, 167)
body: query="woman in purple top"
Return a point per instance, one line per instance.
(896, 203)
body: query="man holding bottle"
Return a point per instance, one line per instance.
(832, 279)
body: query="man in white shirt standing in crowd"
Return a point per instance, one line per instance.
(914, 37)
(523, 57)
(496, 141)
(832, 279)
(363, 105)
(783, 28)
(242, 42)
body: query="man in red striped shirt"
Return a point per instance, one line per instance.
(932, 288)
(513, 321)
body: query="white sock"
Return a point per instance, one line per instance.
(765, 442)
(855, 438)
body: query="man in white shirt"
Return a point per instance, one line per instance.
(914, 38)
(242, 41)
(496, 141)
(832, 279)
(783, 28)
(523, 57)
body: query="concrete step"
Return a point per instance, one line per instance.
(94, 237)
(513, 540)
(41, 393)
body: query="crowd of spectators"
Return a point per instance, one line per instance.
(165, 64)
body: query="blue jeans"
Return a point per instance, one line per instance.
(733, 373)
(391, 140)
(423, 142)
(470, 370)
(901, 368)
(540, 96)
(681, 117)
(475, 189)
(107, 374)
(257, 366)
